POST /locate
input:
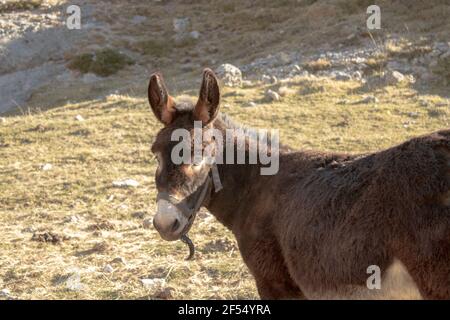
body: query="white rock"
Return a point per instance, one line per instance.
(153, 284)
(47, 167)
(147, 223)
(2, 120)
(126, 183)
(108, 268)
(394, 77)
(181, 25)
(285, 91)
(194, 34)
(71, 219)
(272, 95)
(73, 282)
(5, 293)
(250, 104)
(357, 75)
(79, 118)
(368, 99)
(424, 103)
(341, 76)
(246, 83)
(265, 78)
(230, 75)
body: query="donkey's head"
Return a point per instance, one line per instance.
(182, 187)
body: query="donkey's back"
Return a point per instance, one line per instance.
(351, 212)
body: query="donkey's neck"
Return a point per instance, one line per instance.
(239, 181)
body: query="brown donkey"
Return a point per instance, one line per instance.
(316, 225)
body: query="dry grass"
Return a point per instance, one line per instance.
(318, 65)
(90, 223)
(18, 5)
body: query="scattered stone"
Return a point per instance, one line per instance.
(73, 282)
(194, 34)
(108, 269)
(247, 83)
(147, 223)
(79, 118)
(343, 101)
(126, 183)
(394, 77)
(341, 76)
(414, 114)
(2, 120)
(357, 75)
(283, 58)
(119, 260)
(251, 104)
(71, 219)
(272, 95)
(48, 237)
(424, 103)
(47, 167)
(153, 284)
(181, 25)
(5, 293)
(29, 230)
(265, 78)
(230, 75)
(269, 79)
(367, 99)
(285, 91)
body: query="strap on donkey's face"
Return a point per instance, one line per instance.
(190, 205)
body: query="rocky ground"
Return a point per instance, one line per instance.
(38, 49)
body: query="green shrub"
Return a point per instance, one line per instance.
(102, 62)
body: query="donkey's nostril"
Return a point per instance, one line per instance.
(175, 225)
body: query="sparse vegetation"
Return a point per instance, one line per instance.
(75, 198)
(16, 5)
(376, 62)
(443, 67)
(155, 48)
(103, 62)
(318, 65)
(405, 49)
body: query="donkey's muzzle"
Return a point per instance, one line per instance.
(169, 221)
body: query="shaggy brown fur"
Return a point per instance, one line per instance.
(319, 223)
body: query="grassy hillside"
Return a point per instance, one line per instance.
(61, 225)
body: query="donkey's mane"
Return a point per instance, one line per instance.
(229, 123)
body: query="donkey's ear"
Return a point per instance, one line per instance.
(162, 104)
(207, 105)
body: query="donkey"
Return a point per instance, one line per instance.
(324, 218)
